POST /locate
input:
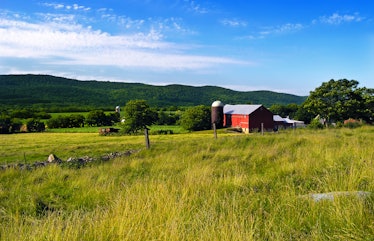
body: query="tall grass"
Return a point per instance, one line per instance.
(32, 147)
(195, 187)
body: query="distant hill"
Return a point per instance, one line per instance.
(50, 91)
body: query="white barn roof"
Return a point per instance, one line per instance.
(278, 118)
(240, 109)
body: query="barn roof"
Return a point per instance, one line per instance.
(240, 109)
(278, 118)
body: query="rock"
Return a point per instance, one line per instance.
(331, 195)
(39, 164)
(52, 158)
(70, 159)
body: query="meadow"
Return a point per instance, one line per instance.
(191, 187)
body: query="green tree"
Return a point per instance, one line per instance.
(76, 120)
(138, 115)
(166, 118)
(285, 110)
(368, 111)
(5, 124)
(338, 100)
(35, 125)
(16, 125)
(96, 118)
(196, 118)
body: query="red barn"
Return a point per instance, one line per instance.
(248, 117)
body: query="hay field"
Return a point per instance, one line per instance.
(192, 187)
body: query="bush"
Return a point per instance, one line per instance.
(196, 118)
(35, 125)
(5, 123)
(315, 124)
(352, 123)
(74, 120)
(99, 118)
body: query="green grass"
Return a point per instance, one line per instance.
(32, 147)
(93, 129)
(54, 115)
(193, 187)
(86, 129)
(175, 128)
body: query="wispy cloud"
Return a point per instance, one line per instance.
(282, 29)
(275, 30)
(195, 7)
(59, 6)
(57, 43)
(123, 21)
(233, 23)
(337, 18)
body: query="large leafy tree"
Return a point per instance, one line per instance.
(285, 110)
(196, 118)
(337, 100)
(138, 115)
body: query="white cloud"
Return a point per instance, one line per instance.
(270, 31)
(233, 23)
(195, 7)
(57, 43)
(60, 6)
(285, 28)
(337, 18)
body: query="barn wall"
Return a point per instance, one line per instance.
(240, 121)
(226, 120)
(261, 115)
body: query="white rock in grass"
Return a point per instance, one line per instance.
(52, 158)
(331, 195)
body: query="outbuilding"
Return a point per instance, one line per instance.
(248, 117)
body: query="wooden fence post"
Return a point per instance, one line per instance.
(215, 130)
(147, 144)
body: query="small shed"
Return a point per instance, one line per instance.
(280, 122)
(248, 117)
(294, 123)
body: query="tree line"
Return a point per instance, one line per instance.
(333, 101)
(12, 123)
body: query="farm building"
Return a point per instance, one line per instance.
(283, 123)
(248, 117)
(279, 122)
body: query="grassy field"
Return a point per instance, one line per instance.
(94, 129)
(191, 187)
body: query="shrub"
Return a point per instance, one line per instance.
(352, 123)
(196, 118)
(35, 125)
(315, 124)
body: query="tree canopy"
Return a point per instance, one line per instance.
(57, 94)
(338, 100)
(196, 118)
(138, 115)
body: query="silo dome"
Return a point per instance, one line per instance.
(217, 103)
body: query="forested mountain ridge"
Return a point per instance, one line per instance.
(50, 91)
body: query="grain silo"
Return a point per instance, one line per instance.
(118, 109)
(217, 113)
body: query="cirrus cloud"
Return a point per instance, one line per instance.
(337, 18)
(74, 44)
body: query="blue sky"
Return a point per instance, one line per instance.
(289, 46)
